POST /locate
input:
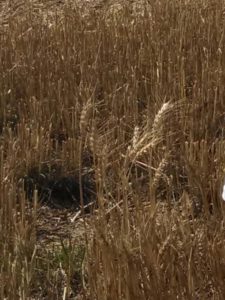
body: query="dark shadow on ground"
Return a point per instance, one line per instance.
(59, 190)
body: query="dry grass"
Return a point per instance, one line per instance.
(133, 91)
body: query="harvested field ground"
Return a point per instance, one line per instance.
(112, 150)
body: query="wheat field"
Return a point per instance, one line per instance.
(112, 149)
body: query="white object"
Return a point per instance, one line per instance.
(223, 194)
